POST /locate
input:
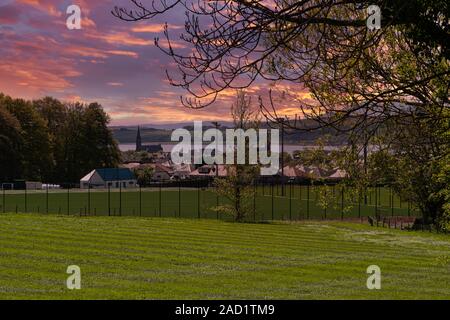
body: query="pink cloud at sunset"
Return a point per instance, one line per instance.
(110, 61)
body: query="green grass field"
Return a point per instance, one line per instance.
(190, 203)
(167, 258)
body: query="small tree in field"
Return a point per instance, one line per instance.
(237, 186)
(238, 189)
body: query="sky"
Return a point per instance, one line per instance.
(109, 61)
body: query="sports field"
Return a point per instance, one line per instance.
(168, 258)
(297, 202)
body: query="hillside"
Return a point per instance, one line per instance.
(162, 133)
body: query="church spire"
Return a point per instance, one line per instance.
(138, 140)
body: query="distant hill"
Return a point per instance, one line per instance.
(162, 133)
(128, 134)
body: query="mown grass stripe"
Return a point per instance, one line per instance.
(151, 258)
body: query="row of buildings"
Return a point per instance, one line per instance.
(124, 177)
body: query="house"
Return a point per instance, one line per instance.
(339, 174)
(295, 172)
(209, 171)
(315, 172)
(33, 185)
(130, 165)
(22, 185)
(181, 171)
(110, 177)
(161, 173)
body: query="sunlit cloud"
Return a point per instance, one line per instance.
(108, 61)
(153, 28)
(120, 38)
(43, 5)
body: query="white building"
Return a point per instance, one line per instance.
(111, 177)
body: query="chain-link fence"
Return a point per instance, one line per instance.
(198, 199)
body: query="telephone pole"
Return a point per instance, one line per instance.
(281, 121)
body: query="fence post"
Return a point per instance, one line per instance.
(160, 199)
(376, 201)
(140, 200)
(379, 196)
(392, 202)
(307, 201)
(300, 195)
(4, 199)
(409, 208)
(89, 199)
(179, 198)
(120, 198)
(26, 206)
(262, 211)
(254, 200)
(342, 203)
(326, 204)
(198, 199)
(359, 204)
(109, 200)
(46, 199)
(290, 201)
(217, 204)
(68, 199)
(272, 201)
(300, 201)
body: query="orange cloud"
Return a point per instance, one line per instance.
(152, 28)
(120, 38)
(173, 44)
(155, 114)
(38, 78)
(43, 5)
(73, 98)
(123, 53)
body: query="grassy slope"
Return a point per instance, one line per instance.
(152, 258)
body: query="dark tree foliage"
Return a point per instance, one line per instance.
(88, 142)
(54, 114)
(54, 142)
(10, 142)
(35, 147)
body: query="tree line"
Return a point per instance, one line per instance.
(51, 141)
